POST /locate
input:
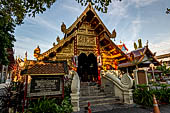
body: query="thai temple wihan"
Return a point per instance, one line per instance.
(88, 56)
(86, 45)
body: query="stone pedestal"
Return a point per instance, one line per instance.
(75, 101)
(75, 89)
(128, 96)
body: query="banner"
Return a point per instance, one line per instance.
(75, 61)
(99, 60)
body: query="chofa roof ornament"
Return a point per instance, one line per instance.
(58, 39)
(63, 28)
(113, 35)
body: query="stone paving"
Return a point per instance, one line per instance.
(124, 108)
(137, 109)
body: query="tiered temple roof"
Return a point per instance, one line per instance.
(142, 57)
(107, 46)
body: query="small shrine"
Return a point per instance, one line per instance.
(142, 57)
(45, 79)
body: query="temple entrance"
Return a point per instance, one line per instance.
(87, 67)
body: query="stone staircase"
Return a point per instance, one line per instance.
(100, 100)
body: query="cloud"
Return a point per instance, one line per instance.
(24, 44)
(161, 46)
(44, 22)
(142, 3)
(119, 9)
(72, 8)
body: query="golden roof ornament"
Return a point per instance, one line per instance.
(147, 43)
(37, 52)
(58, 39)
(54, 44)
(113, 35)
(63, 28)
(25, 59)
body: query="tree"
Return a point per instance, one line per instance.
(165, 70)
(12, 13)
(100, 5)
(168, 11)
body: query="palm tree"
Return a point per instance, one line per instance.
(165, 70)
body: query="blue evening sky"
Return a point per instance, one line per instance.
(132, 19)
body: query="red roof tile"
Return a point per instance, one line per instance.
(47, 68)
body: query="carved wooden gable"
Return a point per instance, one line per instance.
(88, 35)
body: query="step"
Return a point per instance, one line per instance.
(97, 103)
(97, 97)
(96, 94)
(98, 100)
(92, 94)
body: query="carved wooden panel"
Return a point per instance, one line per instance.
(67, 49)
(86, 52)
(83, 40)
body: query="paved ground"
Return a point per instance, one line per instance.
(120, 108)
(138, 109)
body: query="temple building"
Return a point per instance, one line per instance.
(123, 48)
(164, 58)
(90, 56)
(140, 59)
(86, 46)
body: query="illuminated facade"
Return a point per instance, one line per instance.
(87, 47)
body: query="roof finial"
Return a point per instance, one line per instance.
(25, 59)
(90, 4)
(147, 43)
(113, 35)
(58, 39)
(53, 43)
(63, 28)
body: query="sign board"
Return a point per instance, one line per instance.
(45, 85)
(141, 77)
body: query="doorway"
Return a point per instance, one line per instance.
(87, 67)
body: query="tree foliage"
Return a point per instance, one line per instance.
(100, 5)
(165, 70)
(12, 13)
(168, 11)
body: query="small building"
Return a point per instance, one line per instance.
(164, 58)
(46, 78)
(140, 58)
